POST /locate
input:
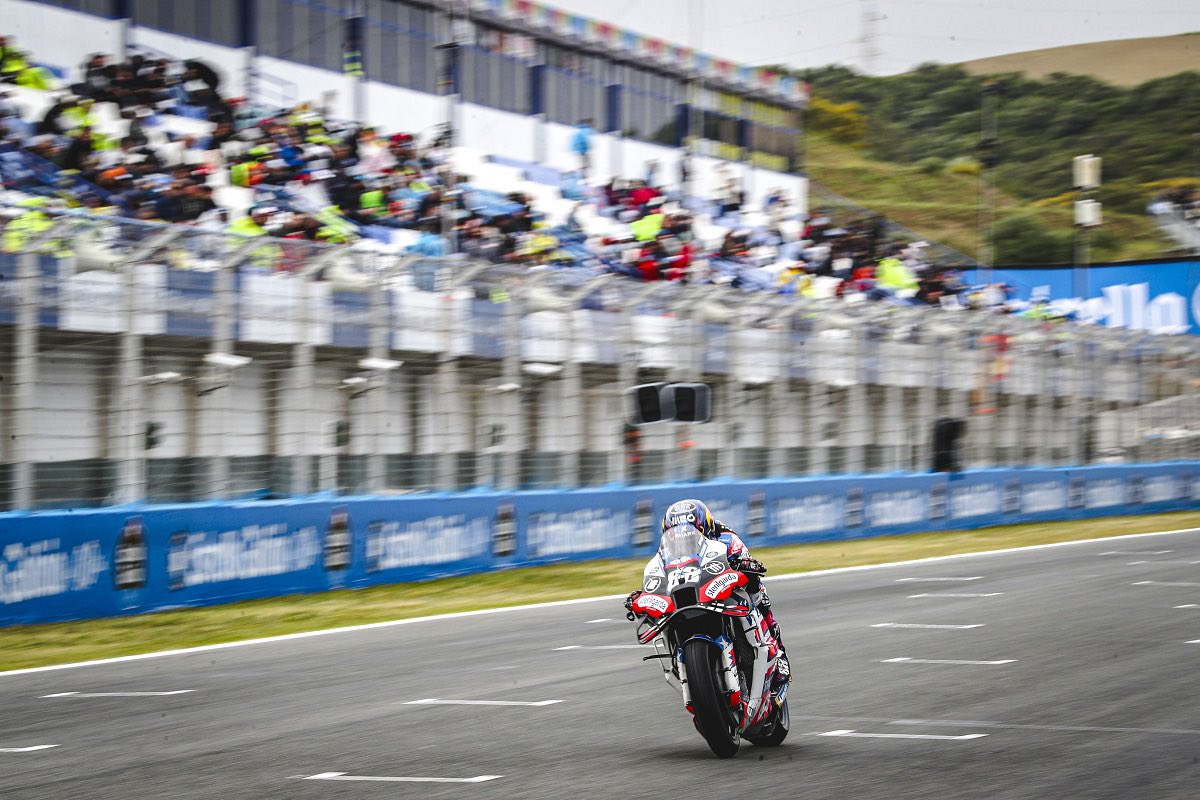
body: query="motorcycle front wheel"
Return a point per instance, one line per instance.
(714, 718)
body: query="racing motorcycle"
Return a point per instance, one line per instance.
(712, 643)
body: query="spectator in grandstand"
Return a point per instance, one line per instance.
(10, 58)
(50, 122)
(581, 145)
(430, 243)
(16, 68)
(10, 114)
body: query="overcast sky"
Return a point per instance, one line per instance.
(809, 33)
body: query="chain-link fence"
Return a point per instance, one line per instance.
(172, 364)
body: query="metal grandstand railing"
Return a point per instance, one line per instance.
(170, 364)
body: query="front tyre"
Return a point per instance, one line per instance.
(779, 732)
(714, 718)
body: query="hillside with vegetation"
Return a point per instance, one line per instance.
(907, 146)
(1121, 62)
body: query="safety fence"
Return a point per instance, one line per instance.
(94, 563)
(170, 364)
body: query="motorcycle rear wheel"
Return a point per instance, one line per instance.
(714, 718)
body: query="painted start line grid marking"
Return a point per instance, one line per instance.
(29, 749)
(118, 694)
(946, 661)
(1162, 583)
(289, 637)
(951, 594)
(341, 776)
(939, 737)
(920, 625)
(433, 701)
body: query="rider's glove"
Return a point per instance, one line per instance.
(751, 566)
(634, 595)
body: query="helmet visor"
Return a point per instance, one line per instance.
(680, 541)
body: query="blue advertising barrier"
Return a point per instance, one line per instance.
(1160, 297)
(129, 560)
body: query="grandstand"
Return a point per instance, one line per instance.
(271, 297)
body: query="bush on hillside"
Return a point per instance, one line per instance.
(842, 121)
(931, 166)
(1022, 238)
(964, 165)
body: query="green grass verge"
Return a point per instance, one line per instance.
(40, 645)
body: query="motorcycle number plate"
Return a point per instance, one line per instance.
(683, 577)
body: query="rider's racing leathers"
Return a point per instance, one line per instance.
(740, 560)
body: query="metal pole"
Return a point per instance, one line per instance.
(25, 376)
(514, 423)
(130, 452)
(224, 319)
(380, 382)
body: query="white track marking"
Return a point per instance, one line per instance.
(1162, 583)
(856, 735)
(433, 701)
(951, 594)
(1137, 552)
(937, 580)
(1161, 561)
(921, 625)
(594, 621)
(118, 694)
(29, 749)
(1188, 605)
(602, 647)
(945, 661)
(966, 723)
(287, 637)
(341, 776)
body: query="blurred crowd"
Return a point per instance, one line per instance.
(297, 173)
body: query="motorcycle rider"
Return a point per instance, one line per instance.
(697, 514)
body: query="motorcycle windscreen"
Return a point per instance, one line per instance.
(680, 541)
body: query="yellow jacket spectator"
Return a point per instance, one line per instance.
(14, 67)
(25, 229)
(268, 254)
(647, 228)
(891, 273)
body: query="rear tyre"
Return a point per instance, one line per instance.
(714, 718)
(783, 722)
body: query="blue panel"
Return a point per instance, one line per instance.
(1163, 298)
(487, 328)
(105, 562)
(352, 319)
(612, 108)
(190, 303)
(537, 89)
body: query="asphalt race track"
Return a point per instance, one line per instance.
(1093, 694)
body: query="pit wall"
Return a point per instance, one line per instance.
(120, 561)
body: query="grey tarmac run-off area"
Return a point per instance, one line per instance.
(1101, 700)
